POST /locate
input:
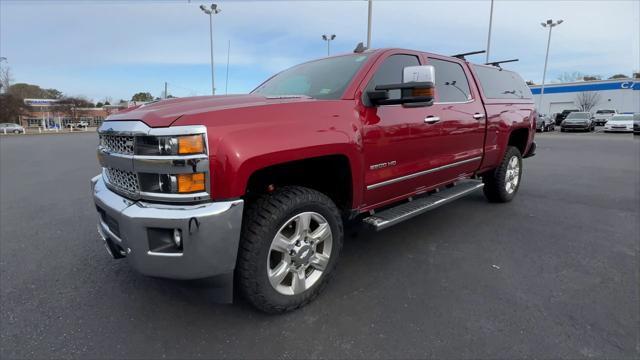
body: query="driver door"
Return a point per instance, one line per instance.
(395, 140)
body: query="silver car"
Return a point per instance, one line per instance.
(6, 128)
(544, 123)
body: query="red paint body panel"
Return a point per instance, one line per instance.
(247, 133)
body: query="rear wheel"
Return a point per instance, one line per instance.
(502, 184)
(291, 240)
(16, 131)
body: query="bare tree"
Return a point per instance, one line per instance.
(5, 78)
(587, 100)
(570, 76)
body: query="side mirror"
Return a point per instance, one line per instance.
(417, 88)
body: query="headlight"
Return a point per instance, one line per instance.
(170, 145)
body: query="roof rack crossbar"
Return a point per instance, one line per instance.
(497, 63)
(461, 56)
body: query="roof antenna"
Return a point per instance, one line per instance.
(461, 56)
(360, 48)
(497, 63)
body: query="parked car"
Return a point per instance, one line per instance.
(602, 116)
(578, 121)
(620, 123)
(563, 115)
(11, 128)
(78, 125)
(543, 123)
(636, 124)
(257, 186)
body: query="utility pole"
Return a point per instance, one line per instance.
(212, 11)
(369, 24)
(550, 24)
(489, 36)
(226, 83)
(165, 90)
(328, 39)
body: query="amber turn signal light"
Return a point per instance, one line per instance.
(188, 183)
(192, 144)
(422, 92)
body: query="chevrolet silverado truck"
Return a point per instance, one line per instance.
(256, 187)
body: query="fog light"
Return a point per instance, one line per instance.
(177, 238)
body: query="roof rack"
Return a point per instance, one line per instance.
(461, 56)
(497, 63)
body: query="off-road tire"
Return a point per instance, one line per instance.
(495, 180)
(262, 219)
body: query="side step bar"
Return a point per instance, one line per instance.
(396, 214)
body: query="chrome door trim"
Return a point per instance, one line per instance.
(420, 173)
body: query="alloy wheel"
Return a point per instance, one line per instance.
(513, 175)
(299, 253)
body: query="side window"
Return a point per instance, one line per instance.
(451, 82)
(498, 83)
(390, 72)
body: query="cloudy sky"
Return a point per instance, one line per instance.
(110, 48)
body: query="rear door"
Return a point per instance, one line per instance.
(458, 148)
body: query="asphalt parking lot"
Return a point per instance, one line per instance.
(553, 274)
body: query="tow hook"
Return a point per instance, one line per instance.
(114, 250)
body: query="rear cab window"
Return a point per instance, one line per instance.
(501, 84)
(451, 82)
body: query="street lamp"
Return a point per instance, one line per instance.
(370, 10)
(489, 35)
(214, 9)
(549, 24)
(328, 39)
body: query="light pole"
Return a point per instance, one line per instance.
(489, 35)
(550, 24)
(328, 39)
(214, 9)
(369, 24)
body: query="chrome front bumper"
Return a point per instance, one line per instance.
(210, 234)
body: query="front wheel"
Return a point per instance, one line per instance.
(290, 242)
(502, 184)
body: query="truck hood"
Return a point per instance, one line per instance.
(165, 112)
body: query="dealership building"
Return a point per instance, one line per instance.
(46, 114)
(622, 95)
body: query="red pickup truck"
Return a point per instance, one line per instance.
(255, 188)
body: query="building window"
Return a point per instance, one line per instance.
(97, 121)
(33, 122)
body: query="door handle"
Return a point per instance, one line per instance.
(478, 116)
(431, 119)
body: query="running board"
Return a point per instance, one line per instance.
(405, 211)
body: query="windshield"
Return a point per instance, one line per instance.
(605, 112)
(621, 118)
(321, 79)
(578, 115)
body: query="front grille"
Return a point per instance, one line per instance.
(117, 143)
(123, 180)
